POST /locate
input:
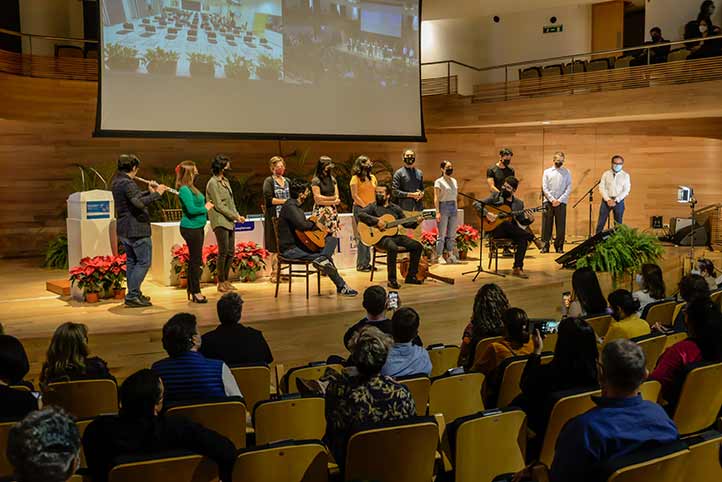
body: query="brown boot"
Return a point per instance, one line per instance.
(519, 273)
(222, 287)
(229, 286)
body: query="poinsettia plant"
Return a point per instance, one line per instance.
(428, 241)
(181, 256)
(115, 271)
(248, 260)
(90, 274)
(210, 258)
(467, 237)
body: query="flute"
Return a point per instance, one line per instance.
(154, 184)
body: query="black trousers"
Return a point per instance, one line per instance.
(554, 216)
(391, 245)
(194, 239)
(226, 250)
(522, 238)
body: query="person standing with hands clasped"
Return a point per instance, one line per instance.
(614, 188)
(407, 188)
(446, 192)
(556, 186)
(192, 225)
(223, 217)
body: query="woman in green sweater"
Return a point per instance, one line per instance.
(192, 225)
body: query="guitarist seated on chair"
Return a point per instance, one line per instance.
(511, 229)
(292, 218)
(370, 216)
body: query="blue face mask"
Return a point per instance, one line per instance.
(617, 167)
(639, 279)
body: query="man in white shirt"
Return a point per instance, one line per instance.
(556, 186)
(614, 188)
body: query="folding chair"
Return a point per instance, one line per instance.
(700, 399)
(455, 396)
(290, 461)
(83, 398)
(420, 387)
(703, 464)
(182, 468)
(254, 383)
(297, 418)
(443, 357)
(227, 417)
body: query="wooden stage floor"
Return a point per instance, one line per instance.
(297, 330)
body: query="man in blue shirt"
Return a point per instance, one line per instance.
(621, 423)
(406, 358)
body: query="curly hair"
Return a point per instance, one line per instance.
(369, 348)
(67, 352)
(490, 303)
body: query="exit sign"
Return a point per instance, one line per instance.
(553, 28)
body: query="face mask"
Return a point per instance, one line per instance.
(409, 160)
(449, 171)
(616, 315)
(639, 279)
(703, 28)
(380, 199)
(696, 271)
(558, 163)
(505, 193)
(506, 162)
(617, 167)
(366, 168)
(327, 171)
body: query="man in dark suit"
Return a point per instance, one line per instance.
(133, 225)
(232, 342)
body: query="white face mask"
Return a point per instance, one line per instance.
(695, 271)
(639, 280)
(702, 28)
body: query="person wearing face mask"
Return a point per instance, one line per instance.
(407, 188)
(627, 324)
(446, 191)
(325, 196)
(651, 286)
(556, 187)
(223, 217)
(513, 229)
(497, 173)
(275, 195)
(706, 48)
(657, 55)
(363, 191)
(705, 268)
(614, 188)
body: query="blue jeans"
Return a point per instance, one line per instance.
(363, 252)
(139, 252)
(604, 214)
(326, 252)
(447, 228)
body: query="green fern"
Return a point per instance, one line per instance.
(56, 254)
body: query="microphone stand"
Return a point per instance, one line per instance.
(482, 218)
(590, 193)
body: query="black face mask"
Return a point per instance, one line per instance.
(409, 160)
(505, 193)
(616, 315)
(380, 199)
(449, 171)
(506, 162)
(366, 169)
(558, 164)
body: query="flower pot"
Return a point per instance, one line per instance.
(119, 293)
(199, 69)
(463, 254)
(123, 64)
(159, 67)
(91, 297)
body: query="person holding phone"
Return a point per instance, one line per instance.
(404, 357)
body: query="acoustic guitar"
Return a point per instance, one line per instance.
(315, 239)
(371, 235)
(504, 214)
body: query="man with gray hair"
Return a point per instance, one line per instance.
(621, 423)
(44, 446)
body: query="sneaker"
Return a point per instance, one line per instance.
(137, 303)
(453, 260)
(347, 291)
(364, 269)
(322, 264)
(145, 298)
(444, 261)
(519, 273)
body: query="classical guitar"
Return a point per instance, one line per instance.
(370, 235)
(504, 214)
(315, 239)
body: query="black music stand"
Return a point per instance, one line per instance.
(480, 269)
(589, 193)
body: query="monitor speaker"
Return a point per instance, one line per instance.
(683, 237)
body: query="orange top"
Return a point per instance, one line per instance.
(366, 189)
(497, 352)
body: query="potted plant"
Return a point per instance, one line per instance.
(467, 239)
(160, 61)
(428, 241)
(89, 276)
(210, 260)
(121, 58)
(202, 65)
(248, 260)
(237, 68)
(116, 275)
(268, 68)
(56, 254)
(180, 263)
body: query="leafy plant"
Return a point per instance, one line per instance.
(168, 200)
(248, 260)
(195, 57)
(247, 192)
(467, 238)
(118, 51)
(269, 68)
(236, 67)
(87, 177)
(160, 55)
(624, 252)
(56, 254)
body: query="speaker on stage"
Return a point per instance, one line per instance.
(569, 259)
(683, 237)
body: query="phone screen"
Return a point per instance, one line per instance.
(392, 300)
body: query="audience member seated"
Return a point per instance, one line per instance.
(705, 268)
(44, 447)
(231, 342)
(657, 55)
(706, 48)
(14, 404)
(651, 286)
(627, 323)
(704, 324)
(187, 375)
(140, 429)
(490, 303)
(361, 396)
(574, 367)
(67, 357)
(404, 357)
(692, 287)
(587, 298)
(621, 423)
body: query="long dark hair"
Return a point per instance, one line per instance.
(705, 324)
(576, 353)
(67, 353)
(516, 325)
(490, 303)
(588, 292)
(323, 161)
(653, 281)
(358, 170)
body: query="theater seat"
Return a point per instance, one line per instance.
(227, 417)
(455, 396)
(181, 468)
(659, 464)
(298, 418)
(700, 399)
(513, 368)
(83, 398)
(290, 461)
(443, 357)
(254, 383)
(652, 345)
(661, 312)
(420, 387)
(704, 463)
(6, 469)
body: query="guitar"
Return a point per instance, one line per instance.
(315, 239)
(370, 235)
(504, 214)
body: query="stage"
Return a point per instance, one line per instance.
(298, 330)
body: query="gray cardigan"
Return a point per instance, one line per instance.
(224, 213)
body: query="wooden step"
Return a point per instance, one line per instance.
(59, 286)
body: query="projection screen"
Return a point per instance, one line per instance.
(311, 69)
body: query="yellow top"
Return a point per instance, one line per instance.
(366, 189)
(630, 327)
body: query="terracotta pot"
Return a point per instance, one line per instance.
(463, 254)
(91, 297)
(119, 294)
(184, 282)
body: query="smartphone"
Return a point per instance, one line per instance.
(546, 327)
(392, 300)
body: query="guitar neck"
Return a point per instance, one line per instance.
(399, 222)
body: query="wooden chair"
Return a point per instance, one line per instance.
(286, 462)
(312, 371)
(529, 73)
(599, 323)
(82, 425)
(716, 297)
(552, 70)
(623, 61)
(675, 337)
(678, 55)
(661, 312)
(564, 410)
(443, 357)
(287, 264)
(495, 244)
(379, 256)
(228, 418)
(6, 468)
(677, 309)
(650, 390)
(599, 64)
(513, 368)
(420, 387)
(294, 418)
(171, 215)
(576, 67)
(83, 398)
(254, 383)
(184, 468)
(703, 464)
(668, 466)
(455, 396)
(487, 444)
(400, 453)
(652, 345)
(700, 399)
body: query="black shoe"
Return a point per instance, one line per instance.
(545, 249)
(507, 253)
(413, 281)
(146, 298)
(323, 264)
(197, 298)
(347, 291)
(560, 250)
(137, 303)
(393, 284)
(364, 269)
